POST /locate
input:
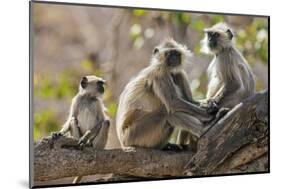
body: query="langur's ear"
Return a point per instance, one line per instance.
(155, 50)
(230, 34)
(84, 82)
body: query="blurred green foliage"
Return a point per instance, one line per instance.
(47, 87)
(44, 122)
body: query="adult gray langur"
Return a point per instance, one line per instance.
(159, 99)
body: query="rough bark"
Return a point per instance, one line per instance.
(53, 160)
(244, 130)
(238, 143)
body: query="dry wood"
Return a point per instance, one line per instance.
(53, 161)
(238, 143)
(245, 124)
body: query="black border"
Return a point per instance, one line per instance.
(31, 142)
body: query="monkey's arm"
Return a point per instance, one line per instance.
(66, 127)
(214, 87)
(72, 119)
(181, 80)
(225, 91)
(165, 90)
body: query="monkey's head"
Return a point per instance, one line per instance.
(92, 86)
(170, 55)
(217, 38)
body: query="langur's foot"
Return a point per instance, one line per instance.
(173, 147)
(129, 149)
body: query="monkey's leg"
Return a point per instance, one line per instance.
(99, 141)
(192, 144)
(182, 138)
(148, 130)
(186, 122)
(187, 141)
(91, 133)
(77, 180)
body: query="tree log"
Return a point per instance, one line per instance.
(238, 143)
(53, 160)
(246, 124)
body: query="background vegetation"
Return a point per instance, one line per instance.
(73, 41)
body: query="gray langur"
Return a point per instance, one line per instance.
(230, 77)
(159, 99)
(87, 120)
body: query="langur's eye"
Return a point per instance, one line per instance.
(101, 83)
(216, 35)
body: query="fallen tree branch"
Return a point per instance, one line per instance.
(238, 139)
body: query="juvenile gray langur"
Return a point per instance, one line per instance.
(230, 77)
(159, 99)
(87, 120)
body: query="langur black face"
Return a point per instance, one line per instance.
(100, 86)
(171, 55)
(172, 58)
(213, 38)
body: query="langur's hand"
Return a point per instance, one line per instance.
(212, 106)
(82, 142)
(56, 135)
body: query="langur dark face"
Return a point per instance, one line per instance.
(100, 86)
(213, 38)
(172, 57)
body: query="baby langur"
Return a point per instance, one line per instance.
(159, 99)
(230, 77)
(87, 119)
